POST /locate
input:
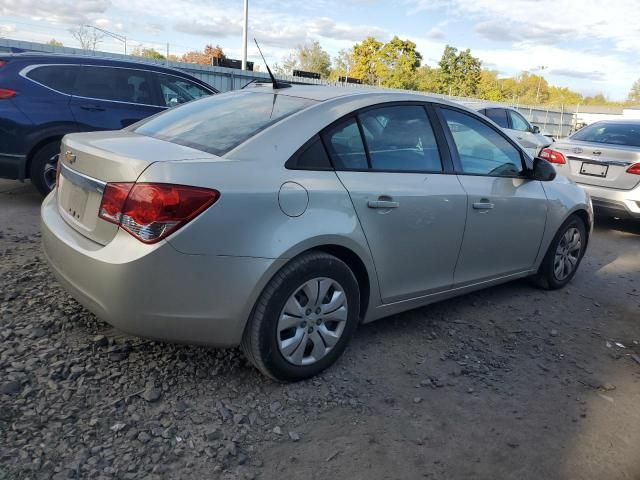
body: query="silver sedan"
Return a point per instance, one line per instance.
(603, 158)
(280, 219)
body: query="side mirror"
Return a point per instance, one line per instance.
(173, 101)
(535, 129)
(542, 170)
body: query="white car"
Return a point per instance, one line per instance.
(514, 125)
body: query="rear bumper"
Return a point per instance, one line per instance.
(153, 290)
(12, 166)
(617, 203)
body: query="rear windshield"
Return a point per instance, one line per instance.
(611, 133)
(219, 123)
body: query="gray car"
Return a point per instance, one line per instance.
(603, 158)
(280, 219)
(515, 125)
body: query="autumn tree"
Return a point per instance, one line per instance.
(310, 57)
(55, 43)
(460, 72)
(366, 57)
(206, 57)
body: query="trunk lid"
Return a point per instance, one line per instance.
(600, 164)
(90, 160)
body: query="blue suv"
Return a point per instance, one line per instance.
(45, 96)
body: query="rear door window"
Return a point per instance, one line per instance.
(345, 146)
(61, 78)
(115, 84)
(219, 123)
(176, 90)
(400, 138)
(499, 116)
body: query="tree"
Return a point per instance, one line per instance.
(634, 93)
(397, 64)
(310, 57)
(460, 72)
(342, 64)
(88, 37)
(366, 56)
(206, 57)
(147, 53)
(428, 79)
(55, 43)
(490, 87)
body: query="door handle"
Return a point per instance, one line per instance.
(382, 204)
(483, 205)
(92, 108)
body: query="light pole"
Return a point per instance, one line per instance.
(245, 29)
(121, 38)
(540, 68)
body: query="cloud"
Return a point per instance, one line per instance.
(436, 34)
(57, 11)
(594, 75)
(216, 27)
(7, 29)
(328, 28)
(547, 21)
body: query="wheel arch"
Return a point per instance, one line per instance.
(36, 148)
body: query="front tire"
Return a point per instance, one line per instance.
(43, 167)
(304, 318)
(564, 255)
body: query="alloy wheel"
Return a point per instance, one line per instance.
(312, 321)
(49, 173)
(567, 254)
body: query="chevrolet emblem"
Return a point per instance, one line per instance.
(70, 157)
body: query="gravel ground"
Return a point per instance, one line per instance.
(510, 382)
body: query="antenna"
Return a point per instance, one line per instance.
(274, 82)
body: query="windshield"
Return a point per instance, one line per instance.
(611, 133)
(220, 123)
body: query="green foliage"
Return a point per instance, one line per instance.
(634, 93)
(310, 57)
(55, 43)
(366, 59)
(459, 72)
(147, 53)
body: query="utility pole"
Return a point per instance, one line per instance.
(245, 30)
(541, 67)
(121, 38)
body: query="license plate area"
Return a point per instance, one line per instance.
(594, 169)
(78, 199)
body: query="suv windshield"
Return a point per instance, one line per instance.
(219, 123)
(612, 133)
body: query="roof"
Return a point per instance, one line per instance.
(79, 59)
(328, 92)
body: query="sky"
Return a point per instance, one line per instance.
(591, 46)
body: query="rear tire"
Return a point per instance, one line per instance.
(564, 255)
(43, 167)
(291, 335)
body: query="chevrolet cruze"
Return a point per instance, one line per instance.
(279, 219)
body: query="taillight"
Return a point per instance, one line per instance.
(6, 93)
(2, 63)
(553, 156)
(152, 211)
(634, 169)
